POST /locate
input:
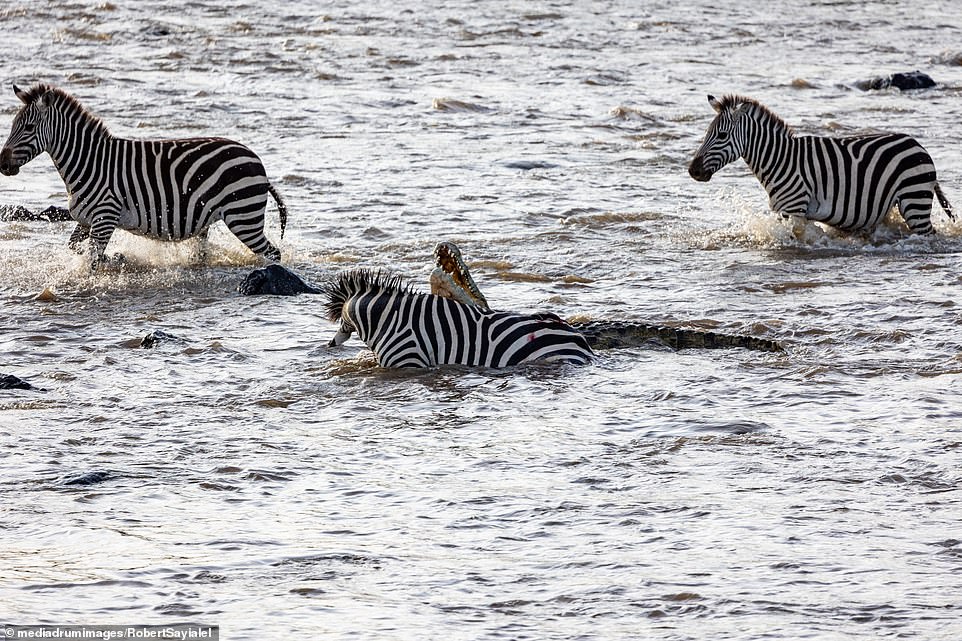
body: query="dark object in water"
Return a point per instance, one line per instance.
(527, 165)
(55, 214)
(901, 81)
(452, 279)
(157, 336)
(9, 381)
(19, 212)
(16, 212)
(621, 334)
(89, 478)
(275, 280)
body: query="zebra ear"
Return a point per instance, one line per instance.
(20, 93)
(713, 101)
(47, 99)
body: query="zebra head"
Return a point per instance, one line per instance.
(370, 290)
(373, 291)
(724, 142)
(29, 132)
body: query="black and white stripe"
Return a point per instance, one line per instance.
(164, 189)
(849, 183)
(405, 328)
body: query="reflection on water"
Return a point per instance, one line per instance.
(240, 472)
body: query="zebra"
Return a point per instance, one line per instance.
(454, 325)
(163, 189)
(407, 328)
(848, 183)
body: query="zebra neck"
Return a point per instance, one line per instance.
(78, 149)
(771, 145)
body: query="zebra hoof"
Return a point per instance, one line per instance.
(272, 254)
(114, 261)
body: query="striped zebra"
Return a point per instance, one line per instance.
(163, 189)
(849, 183)
(453, 325)
(407, 328)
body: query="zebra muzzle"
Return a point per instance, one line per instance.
(697, 170)
(7, 166)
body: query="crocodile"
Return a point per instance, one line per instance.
(451, 278)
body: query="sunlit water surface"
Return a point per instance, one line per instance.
(246, 475)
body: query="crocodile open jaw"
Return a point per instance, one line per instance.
(452, 278)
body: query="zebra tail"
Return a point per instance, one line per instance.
(946, 207)
(618, 334)
(281, 207)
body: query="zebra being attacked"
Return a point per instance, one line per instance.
(849, 183)
(454, 325)
(162, 189)
(406, 328)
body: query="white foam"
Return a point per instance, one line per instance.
(755, 225)
(42, 260)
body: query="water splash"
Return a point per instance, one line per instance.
(756, 226)
(42, 261)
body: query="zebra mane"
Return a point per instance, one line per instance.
(360, 281)
(733, 100)
(63, 98)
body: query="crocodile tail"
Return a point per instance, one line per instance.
(943, 201)
(621, 334)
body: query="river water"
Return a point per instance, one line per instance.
(242, 474)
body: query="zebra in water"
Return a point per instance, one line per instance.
(849, 183)
(406, 328)
(163, 189)
(453, 325)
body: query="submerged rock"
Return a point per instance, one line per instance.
(55, 214)
(89, 478)
(275, 280)
(15, 212)
(46, 296)
(157, 336)
(527, 165)
(19, 212)
(9, 381)
(901, 81)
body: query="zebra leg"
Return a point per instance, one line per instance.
(798, 226)
(103, 226)
(916, 209)
(249, 228)
(80, 234)
(798, 222)
(200, 254)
